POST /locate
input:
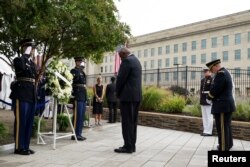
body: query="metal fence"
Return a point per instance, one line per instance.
(186, 77)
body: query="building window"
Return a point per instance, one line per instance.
(175, 60)
(225, 40)
(152, 64)
(145, 65)
(152, 51)
(167, 63)
(145, 52)
(214, 42)
(193, 45)
(193, 59)
(184, 60)
(159, 50)
(151, 77)
(106, 59)
(203, 58)
(203, 44)
(248, 36)
(101, 69)
(167, 76)
(248, 71)
(225, 56)
(110, 68)
(237, 72)
(167, 49)
(237, 38)
(213, 56)
(184, 47)
(248, 53)
(159, 63)
(111, 58)
(237, 54)
(175, 48)
(139, 53)
(106, 69)
(175, 75)
(193, 75)
(183, 75)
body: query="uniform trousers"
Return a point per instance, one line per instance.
(24, 117)
(78, 116)
(207, 119)
(224, 130)
(129, 116)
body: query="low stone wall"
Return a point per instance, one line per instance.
(241, 130)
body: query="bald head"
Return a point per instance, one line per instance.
(123, 53)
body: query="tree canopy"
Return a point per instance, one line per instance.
(62, 28)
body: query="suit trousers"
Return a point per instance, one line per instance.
(112, 111)
(24, 117)
(207, 119)
(78, 116)
(224, 130)
(129, 116)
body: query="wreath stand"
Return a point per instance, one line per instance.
(54, 135)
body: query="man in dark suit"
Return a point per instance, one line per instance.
(23, 97)
(80, 98)
(129, 91)
(223, 105)
(112, 100)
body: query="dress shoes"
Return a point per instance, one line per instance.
(22, 152)
(31, 151)
(206, 134)
(123, 150)
(79, 138)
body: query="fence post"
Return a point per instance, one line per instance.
(158, 77)
(186, 80)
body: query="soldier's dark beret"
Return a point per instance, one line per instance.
(78, 58)
(213, 63)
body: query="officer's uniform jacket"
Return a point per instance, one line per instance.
(79, 81)
(205, 86)
(221, 92)
(24, 86)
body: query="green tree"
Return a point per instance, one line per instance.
(62, 28)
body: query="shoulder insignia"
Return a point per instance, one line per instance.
(222, 71)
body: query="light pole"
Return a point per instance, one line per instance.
(177, 64)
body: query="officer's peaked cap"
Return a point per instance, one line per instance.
(205, 69)
(213, 63)
(27, 42)
(78, 58)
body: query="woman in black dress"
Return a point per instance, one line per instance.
(98, 100)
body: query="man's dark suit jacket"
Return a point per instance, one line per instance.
(110, 92)
(128, 85)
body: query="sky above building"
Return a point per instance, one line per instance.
(147, 16)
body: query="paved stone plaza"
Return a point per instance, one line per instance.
(155, 148)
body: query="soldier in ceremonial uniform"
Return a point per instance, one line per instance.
(223, 105)
(80, 98)
(207, 117)
(23, 97)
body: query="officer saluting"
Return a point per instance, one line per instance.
(80, 97)
(23, 97)
(223, 105)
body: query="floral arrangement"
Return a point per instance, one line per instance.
(59, 81)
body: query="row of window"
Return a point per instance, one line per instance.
(203, 59)
(184, 46)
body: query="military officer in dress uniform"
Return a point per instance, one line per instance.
(223, 105)
(207, 117)
(23, 97)
(80, 98)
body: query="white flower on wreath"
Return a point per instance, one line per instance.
(60, 90)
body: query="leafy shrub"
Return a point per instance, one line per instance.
(193, 110)
(152, 97)
(173, 104)
(242, 112)
(63, 121)
(35, 126)
(179, 90)
(3, 131)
